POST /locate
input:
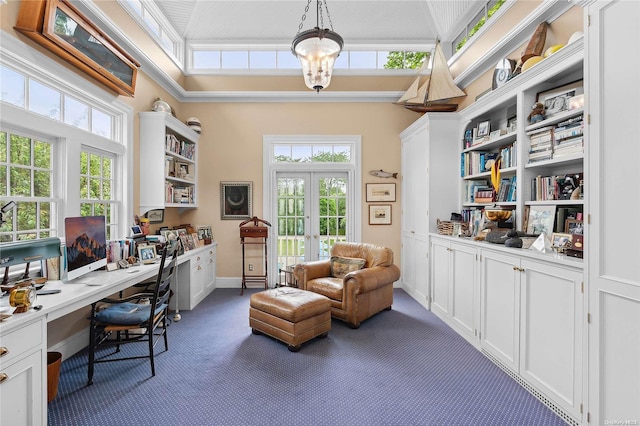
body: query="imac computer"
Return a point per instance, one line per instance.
(86, 245)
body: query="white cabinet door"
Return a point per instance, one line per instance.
(464, 290)
(612, 191)
(21, 393)
(500, 307)
(440, 277)
(551, 324)
(421, 262)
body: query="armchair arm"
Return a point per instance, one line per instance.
(368, 279)
(304, 272)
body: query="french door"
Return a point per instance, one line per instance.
(312, 213)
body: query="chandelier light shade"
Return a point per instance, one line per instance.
(317, 50)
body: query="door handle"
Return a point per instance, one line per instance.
(316, 237)
(307, 237)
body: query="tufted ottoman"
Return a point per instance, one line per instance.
(290, 315)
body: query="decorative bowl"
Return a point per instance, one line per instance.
(497, 215)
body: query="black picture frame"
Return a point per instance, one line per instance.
(155, 215)
(236, 200)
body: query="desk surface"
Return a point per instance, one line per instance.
(76, 296)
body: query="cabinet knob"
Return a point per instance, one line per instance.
(3, 351)
(198, 259)
(3, 377)
(199, 267)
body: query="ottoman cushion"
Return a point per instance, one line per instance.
(290, 315)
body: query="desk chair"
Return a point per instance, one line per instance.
(131, 319)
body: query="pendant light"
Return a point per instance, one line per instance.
(317, 49)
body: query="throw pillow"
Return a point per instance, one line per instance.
(341, 266)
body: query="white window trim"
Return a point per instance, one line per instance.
(18, 55)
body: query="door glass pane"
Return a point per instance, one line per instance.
(291, 208)
(332, 217)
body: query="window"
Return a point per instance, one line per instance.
(204, 58)
(476, 23)
(27, 177)
(316, 153)
(63, 148)
(96, 188)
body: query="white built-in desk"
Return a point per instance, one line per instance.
(23, 337)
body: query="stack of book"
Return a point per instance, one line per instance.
(541, 147)
(507, 190)
(472, 187)
(568, 137)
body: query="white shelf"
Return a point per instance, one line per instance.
(507, 171)
(493, 143)
(551, 121)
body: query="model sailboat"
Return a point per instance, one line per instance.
(435, 92)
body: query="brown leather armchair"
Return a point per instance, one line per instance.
(361, 293)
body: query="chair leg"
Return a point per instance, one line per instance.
(153, 364)
(164, 331)
(92, 354)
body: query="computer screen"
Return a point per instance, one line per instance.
(86, 242)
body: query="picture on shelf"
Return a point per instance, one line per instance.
(541, 219)
(560, 240)
(483, 129)
(205, 233)
(557, 100)
(573, 226)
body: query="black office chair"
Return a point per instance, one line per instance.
(140, 317)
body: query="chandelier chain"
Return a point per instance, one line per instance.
(328, 14)
(304, 17)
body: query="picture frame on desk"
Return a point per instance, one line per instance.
(205, 234)
(377, 192)
(561, 240)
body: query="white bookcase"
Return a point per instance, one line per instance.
(168, 162)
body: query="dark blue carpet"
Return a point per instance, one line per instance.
(401, 367)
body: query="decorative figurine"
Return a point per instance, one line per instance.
(537, 113)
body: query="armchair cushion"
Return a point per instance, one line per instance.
(341, 266)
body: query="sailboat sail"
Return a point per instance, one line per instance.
(438, 87)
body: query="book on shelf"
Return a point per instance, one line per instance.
(472, 187)
(560, 187)
(507, 190)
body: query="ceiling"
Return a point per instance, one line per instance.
(359, 22)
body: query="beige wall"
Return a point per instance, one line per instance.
(231, 143)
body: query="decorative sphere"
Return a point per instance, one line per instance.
(161, 106)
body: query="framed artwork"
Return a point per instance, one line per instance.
(147, 254)
(205, 234)
(184, 239)
(380, 214)
(236, 200)
(64, 30)
(484, 127)
(559, 240)
(512, 123)
(169, 234)
(194, 240)
(557, 100)
(155, 216)
(573, 226)
(377, 192)
(136, 230)
(541, 218)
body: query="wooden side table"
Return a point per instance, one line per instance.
(255, 234)
(286, 277)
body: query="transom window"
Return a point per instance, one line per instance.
(26, 177)
(474, 25)
(33, 95)
(316, 153)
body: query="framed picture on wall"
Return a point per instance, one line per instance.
(380, 214)
(236, 200)
(377, 192)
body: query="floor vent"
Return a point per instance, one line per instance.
(546, 401)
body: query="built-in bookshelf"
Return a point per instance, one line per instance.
(168, 162)
(541, 162)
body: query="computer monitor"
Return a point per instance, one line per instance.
(86, 243)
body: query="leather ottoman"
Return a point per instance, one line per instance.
(290, 315)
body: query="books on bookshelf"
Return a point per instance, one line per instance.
(560, 187)
(507, 190)
(541, 145)
(178, 169)
(472, 187)
(564, 139)
(178, 194)
(474, 162)
(182, 148)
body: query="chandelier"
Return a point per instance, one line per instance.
(317, 49)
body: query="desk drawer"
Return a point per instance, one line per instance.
(15, 343)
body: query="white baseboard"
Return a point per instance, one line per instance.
(72, 344)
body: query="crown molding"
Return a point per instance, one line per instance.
(291, 96)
